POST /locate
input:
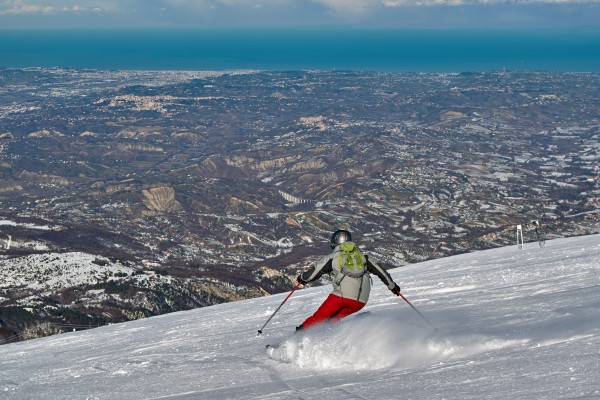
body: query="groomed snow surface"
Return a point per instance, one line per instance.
(511, 324)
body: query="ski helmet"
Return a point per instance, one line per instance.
(340, 236)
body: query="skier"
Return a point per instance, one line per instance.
(350, 269)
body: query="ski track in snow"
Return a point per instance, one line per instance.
(521, 324)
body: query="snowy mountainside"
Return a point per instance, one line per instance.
(43, 294)
(56, 271)
(522, 324)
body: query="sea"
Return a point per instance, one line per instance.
(393, 50)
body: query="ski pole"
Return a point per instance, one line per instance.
(282, 303)
(418, 312)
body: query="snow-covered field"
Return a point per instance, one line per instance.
(520, 324)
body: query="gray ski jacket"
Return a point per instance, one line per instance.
(347, 286)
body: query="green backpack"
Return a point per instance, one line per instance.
(352, 261)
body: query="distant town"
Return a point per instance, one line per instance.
(175, 190)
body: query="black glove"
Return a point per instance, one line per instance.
(396, 290)
(302, 281)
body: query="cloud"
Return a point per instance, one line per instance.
(254, 3)
(200, 5)
(413, 3)
(47, 7)
(20, 7)
(226, 13)
(403, 3)
(358, 9)
(349, 9)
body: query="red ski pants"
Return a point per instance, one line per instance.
(333, 308)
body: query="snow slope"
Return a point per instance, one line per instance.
(522, 324)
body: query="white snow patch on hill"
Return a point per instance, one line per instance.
(55, 271)
(5, 222)
(510, 324)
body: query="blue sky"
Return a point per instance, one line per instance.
(298, 13)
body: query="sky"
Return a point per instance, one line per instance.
(509, 324)
(112, 14)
